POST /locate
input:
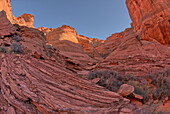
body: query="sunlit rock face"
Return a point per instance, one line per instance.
(24, 20)
(151, 19)
(63, 33)
(6, 6)
(45, 30)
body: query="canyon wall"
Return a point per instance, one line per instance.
(24, 20)
(6, 6)
(151, 19)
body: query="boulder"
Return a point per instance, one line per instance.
(126, 90)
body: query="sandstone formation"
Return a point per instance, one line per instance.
(79, 50)
(24, 20)
(45, 29)
(126, 90)
(137, 57)
(43, 70)
(111, 43)
(39, 84)
(89, 45)
(6, 28)
(151, 16)
(6, 6)
(63, 33)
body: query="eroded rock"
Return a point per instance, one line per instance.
(126, 90)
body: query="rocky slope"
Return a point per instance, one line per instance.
(137, 57)
(32, 82)
(24, 20)
(79, 50)
(41, 69)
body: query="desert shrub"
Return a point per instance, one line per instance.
(17, 48)
(3, 49)
(161, 80)
(110, 79)
(142, 88)
(158, 88)
(16, 38)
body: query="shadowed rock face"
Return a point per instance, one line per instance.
(6, 28)
(151, 19)
(24, 20)
(6, 6)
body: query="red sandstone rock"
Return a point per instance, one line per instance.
(63, 33)
(111, 43)
(45, 30)
(31, 85)
(126, 90)
(6, 28)
(96, 80)
(51, 85)
(137, 57)
(151, 19)
(74, 46)
(11, 110)
(89, 45)
(24, 20)
(6, 6)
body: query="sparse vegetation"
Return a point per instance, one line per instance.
(16, 38)
(3, 49)
(17, 48)
(110, 79)
(155, 86)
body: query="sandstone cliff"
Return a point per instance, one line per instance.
(6, 6)
(24, 20)
(151, 19)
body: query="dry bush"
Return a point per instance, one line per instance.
(158, 88)
(3, 49)
(17, 48)
(110, 79)
(161, 80)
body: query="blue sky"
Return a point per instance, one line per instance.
(92, 18)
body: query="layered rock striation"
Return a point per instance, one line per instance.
(34, 78)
